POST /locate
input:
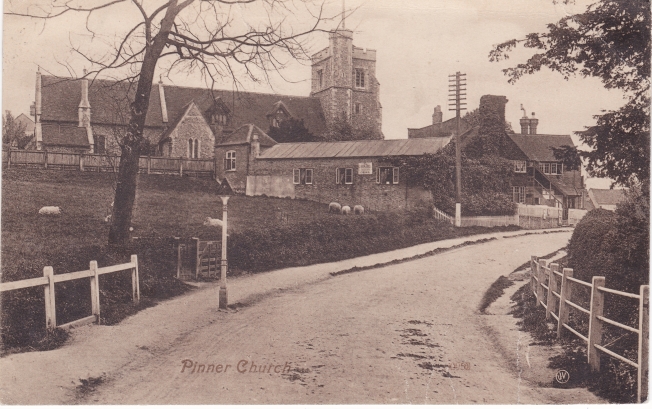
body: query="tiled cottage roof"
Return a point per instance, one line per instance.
(607, 196)
(56, 135)
(441, 129)
(245, 134)
(355, 149)
(61, 96)
(537, 147)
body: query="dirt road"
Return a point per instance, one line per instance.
(407, 333)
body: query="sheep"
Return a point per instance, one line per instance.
(50, 210)
(346, 210)
(357, 209)
(334, 207)
(213, 222)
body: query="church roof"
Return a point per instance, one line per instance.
(109, 105)
(54, 134)
(354, 149)
(442, 129)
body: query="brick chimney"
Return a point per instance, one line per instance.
(84, 108)
(533, 125)
(437, 116)
(38, 132)
(255, 146)
(525, 122)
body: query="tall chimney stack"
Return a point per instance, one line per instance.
(437, 116)
(533, 125)
(84, 108)
(525, 122)
(38, 132)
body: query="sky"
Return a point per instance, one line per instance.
(418, 43)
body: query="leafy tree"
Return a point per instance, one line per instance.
(13, 132)
(191, 35)
(568, 155)
(341, 129)
(291, 130)
(609, 41)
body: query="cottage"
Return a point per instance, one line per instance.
(605, 198)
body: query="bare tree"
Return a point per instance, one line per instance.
(218, 38)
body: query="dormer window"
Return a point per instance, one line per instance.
(219, 114)
(220, 119)
(359, 78)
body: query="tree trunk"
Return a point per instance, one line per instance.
(125, 195)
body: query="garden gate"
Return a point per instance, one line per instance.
(198, 258)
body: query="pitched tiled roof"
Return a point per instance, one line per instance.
(355, 149)
(537, 147)
(607, 196)
(442, 129)
(245, 133)
(54, 134)
(61, 96)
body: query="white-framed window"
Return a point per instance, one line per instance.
(229, 161)
(387, 175)
(518, 194)
(359, 78)
(320, 78)
(357, 108)
(551, 168)
(302, 176)
(520, 166)
(344, 176)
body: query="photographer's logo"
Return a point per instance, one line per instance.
(562, 376)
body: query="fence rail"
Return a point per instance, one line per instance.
(87, 162)
(544, 275)
(49, 279)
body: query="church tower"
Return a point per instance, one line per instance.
(344, 79)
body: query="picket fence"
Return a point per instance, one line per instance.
(86, 162)
(49, 279)
(545, 277)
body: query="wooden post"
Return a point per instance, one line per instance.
(149, 164)
(135, 283)
(50, 311)
(45, 159)
(180, 166)
(197, 261)
(540, 271)
(224, 301)
(9, 159)
(565, 293)
(81, 162)
(552, 286)
(533, 269)
(95, 291)
(595, 325)
(643, 342)
(178, 259)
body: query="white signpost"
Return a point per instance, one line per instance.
(365, 168)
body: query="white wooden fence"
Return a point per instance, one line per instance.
(86, 162)
(546, 276)
(49, 279)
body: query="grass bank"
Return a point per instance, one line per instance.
(265, 234)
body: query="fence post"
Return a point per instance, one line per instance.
(542, 265)
(149, 164)
(180, 166)
(595, 325)
(552, 286)
(50, 311)
(95, 291)
(45, 159)
(643, 342)
(565, 294)
(9, 159)
(81, 162)
(135, 284)
(533, 269)
(178, 259)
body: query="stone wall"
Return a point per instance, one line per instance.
(192, 126)
(363, 191)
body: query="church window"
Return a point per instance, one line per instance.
(191, 143)
(193, 148)
(229, 161)
(359, 78)
(320, 76)
(358, 108)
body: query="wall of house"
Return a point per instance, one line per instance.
(238, 178)
(274, 178)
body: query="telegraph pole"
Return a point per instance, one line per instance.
(457, 90)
